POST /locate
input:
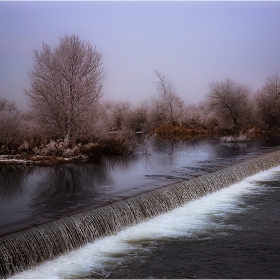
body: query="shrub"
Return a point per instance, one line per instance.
(92, 149)
(24, 147)
(119, 144)
(58, 148)
(169, 129)
(115, 144)
(146, 146)
(244, 135)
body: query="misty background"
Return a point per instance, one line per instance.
(192, 43)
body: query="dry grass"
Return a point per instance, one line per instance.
(35, 160)
(118, 145)
(245, 134)
(251, 130)
(179, 130)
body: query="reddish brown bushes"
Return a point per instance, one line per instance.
(169, 129)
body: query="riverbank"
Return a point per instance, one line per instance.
(38, 160)
(61, 151)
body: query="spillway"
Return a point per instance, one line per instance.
(25, 249)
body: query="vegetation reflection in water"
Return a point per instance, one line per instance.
(202, 219)
(24, 249)
(34, 195)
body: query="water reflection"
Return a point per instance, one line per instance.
(271, 140)
(77, 186)
(67, 186)
(172, 146)
(11, 182)
(68, 180)
(116, 162)
(39, 193)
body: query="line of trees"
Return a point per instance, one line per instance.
(65, 98)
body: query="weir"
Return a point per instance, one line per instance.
(25, 249)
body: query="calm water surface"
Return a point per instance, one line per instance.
(30, 196)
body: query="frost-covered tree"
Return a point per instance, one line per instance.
(10, 125)
(268, 102)
(138, 118)
(65, 82)
(195, 115)
(99, 123)
(230, 101)
(169, 106)
(119, 113)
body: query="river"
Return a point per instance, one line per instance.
(229, 234)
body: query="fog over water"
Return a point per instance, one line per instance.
(192, 42)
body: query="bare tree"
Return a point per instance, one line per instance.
(65, 82)
(195, 115)
(99, 122)
(230, 102)
(169, 106)
(268, 102)
(10, 125)
(119, 115)
(138, 118)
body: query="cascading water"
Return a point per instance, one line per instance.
(25, 249)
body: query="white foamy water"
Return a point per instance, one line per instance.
(196, 219)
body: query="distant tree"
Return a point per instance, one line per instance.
(268, 102)
(168, 106)
(138, 118)
(230, 102)
(10, 125)
(65, 82)
(99, 122)
(195, 115)
(119, 114)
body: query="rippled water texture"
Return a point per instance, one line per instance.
(232, 233)
(31, 196)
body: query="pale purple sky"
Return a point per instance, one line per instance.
(192, 43)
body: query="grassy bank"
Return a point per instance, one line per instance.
(64, 151)
(180, 130)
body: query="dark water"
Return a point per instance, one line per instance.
(232, 233)
(31, 196)
(245, 244)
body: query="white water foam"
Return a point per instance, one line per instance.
(196, 219)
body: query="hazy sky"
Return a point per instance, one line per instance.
(192, 43)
